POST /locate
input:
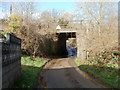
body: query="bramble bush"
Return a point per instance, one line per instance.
(35, 42)
(105, 59)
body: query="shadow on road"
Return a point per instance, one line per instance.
(60, 74)
(70, 78)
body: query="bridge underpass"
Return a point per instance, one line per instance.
(63, 35)
(62, 73)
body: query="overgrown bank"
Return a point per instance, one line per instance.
(30, 69)
(103, 67)
(37, 38)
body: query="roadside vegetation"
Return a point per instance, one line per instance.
(103, 67)
(30, 69)
(97, 28)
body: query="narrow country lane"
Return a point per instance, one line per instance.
(60, 73)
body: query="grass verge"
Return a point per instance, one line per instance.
(107, 75)
(30, 69)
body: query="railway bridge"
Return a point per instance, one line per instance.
(63, 35)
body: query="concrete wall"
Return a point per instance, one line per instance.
(81, 45)
(11, 56)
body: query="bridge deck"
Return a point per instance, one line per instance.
(66, 31)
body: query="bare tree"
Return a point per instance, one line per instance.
(99, 25)
(24, 9)
(96, 13)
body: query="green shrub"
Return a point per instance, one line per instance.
(30, 69)
(14, 24)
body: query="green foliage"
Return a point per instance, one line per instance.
(77, 61)
(2, 36)
(63, 22)
(28, 61)
(103, 66)
(2, 21)
(105, 58)
(29, 72)
(14, 24)
(105, 74)
(7, 31)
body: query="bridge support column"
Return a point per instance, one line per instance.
(81, 46)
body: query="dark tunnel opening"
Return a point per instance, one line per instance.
(67, 45)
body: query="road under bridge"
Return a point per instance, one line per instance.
(63, 35)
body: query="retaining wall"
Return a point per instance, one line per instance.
(10, 49)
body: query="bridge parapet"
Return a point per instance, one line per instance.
(67, 33)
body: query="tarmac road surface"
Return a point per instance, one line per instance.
(60, 73)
